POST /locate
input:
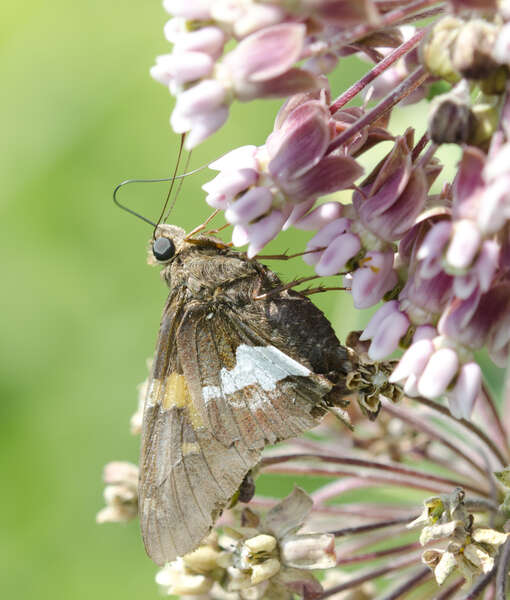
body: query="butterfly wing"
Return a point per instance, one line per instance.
(244, 387)
(187, 476)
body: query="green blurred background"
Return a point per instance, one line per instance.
(80, 307)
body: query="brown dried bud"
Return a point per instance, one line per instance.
(472, 50)
(451, 120)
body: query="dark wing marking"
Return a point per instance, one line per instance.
(243, 387)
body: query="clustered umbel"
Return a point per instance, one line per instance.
(438, 259)
(459, 543)
(432, 255)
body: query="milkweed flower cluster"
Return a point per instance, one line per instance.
(438, 260)
(430, 254)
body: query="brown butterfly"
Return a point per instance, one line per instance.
(240, 363)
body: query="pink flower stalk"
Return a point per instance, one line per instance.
(397, 73)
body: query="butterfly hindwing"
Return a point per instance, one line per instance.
(186, 475)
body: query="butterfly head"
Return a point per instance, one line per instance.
(166, 243)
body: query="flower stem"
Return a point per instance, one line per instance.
(417, 77)
(378, 554)
(379, 68)
(493, 411)
(502, 572)
(422, 142)
(370, 464)
(479, 586)
(433, 433)
(387, 20)
(376, 479)
(450, 591)
(467, 424)
(409, 584)
(370, 527)
(368, 576)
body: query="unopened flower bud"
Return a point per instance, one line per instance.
(472, 51)
(120, 494)
(451, 119)
(436, 49)
(486, 123)
(495, 82)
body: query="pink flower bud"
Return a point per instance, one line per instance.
(250, 206)
(388, 335)
(424, 332)
(464, 244)
(182, 67)
(300, 143)
(227, 184)
(205, 125)
(469, 184)
(414, 361)
(331, 174)
(239, 158)
(208, 40)
(462, 398)
(297, 213)
(379, 316)
(465, 285)
(240, 235)
(495, 205)
(428, 295)
(324, 237)
(373, 279)
(292, 82)
(320, 216)
(257, 16)
(341, 249)
(263, 231)
(189, 9)
(268, 53)
(205, 97)
(439, 372)
(431, 249)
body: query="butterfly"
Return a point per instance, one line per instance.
(240, 362)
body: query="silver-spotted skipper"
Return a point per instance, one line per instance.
(231, 374)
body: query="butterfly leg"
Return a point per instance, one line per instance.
(282, 288)
(286, 256)
(320, 289)
(202, 226)
(217, 230)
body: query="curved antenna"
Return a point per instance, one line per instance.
(159, 180)
(163, 210)
(129, 210)
(188, 158)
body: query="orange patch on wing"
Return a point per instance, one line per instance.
(176, 394)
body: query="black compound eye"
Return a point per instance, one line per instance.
(163, 249)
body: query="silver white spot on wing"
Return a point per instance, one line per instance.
(263, 365)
